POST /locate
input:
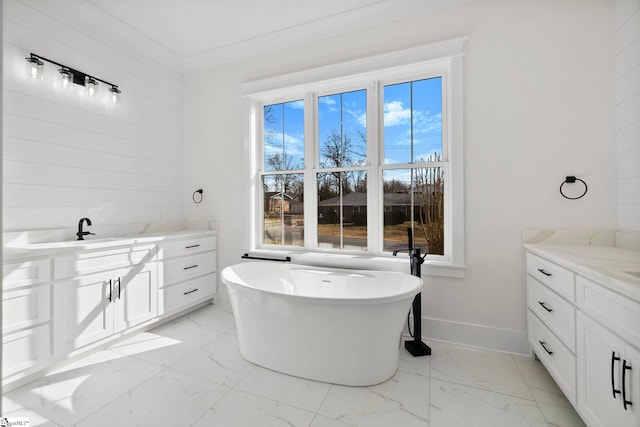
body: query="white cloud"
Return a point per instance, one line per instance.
(327, 100)
(294, 144)
(299, 105)
(395, 114)
(426, 122)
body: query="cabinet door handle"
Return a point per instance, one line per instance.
(190, 267)
(110, 288)
(191, 291)
(546, 273)
(625, 402)
(544, 306)
(118, 281)
(544, 345)
(613, 385)
(192, 246)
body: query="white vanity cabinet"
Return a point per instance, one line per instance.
(608, 357)
(26, 317)
(187, 273)
(587, 334)
(551, 318)
(62, 302)
(90, 307)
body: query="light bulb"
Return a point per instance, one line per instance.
(34, 67)
(114, 94)
(66, 78)
(91, 85)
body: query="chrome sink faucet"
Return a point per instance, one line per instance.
(81, 233)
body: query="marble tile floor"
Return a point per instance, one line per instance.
(189, 372)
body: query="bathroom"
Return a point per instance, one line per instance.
(549, 91)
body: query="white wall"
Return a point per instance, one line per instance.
(65, 156)
(628, 112)
(539, 105)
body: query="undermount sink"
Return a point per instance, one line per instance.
(72, 243)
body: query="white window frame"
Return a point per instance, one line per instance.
(373, 73)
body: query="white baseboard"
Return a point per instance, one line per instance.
(469, 334)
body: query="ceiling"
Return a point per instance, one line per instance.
(206, 33)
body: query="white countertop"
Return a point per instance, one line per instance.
(611, 266)
(46, 249)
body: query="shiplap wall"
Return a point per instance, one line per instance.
(67, 156)
(628, 112)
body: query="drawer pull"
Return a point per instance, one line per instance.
(191, 291)
(545, 307)
(613, 361)
(190, 267)
(543, 271)
(544, 345)
(118, 281)
(192, 246)
(625, 402)
(110, 287)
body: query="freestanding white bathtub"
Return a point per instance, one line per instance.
(326, 324)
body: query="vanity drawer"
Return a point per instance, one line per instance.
(82, 263)
(25, 273)
(173, 298)
(554, 276)
(187, 247)
(556, 357)
(556, 312)
(620, 314)
(24, 308)
(185, 268)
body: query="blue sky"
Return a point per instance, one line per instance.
(285, 134)
(423, 98)
(412, 123)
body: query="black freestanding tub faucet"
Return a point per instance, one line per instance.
(81, 233)
(416, 347)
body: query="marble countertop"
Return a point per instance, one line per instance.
(25, 249)
(614, 267)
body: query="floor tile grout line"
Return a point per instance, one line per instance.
(535, 400)
(324, 399)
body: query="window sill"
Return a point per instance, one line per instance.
(363, 262)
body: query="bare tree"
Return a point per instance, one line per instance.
(340, 151)
(429, 193)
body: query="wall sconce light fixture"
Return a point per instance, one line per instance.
(69, 75)
(34, 67)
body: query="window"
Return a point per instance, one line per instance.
(346, 165)
(413, 187)
(342, 177)
(283, 174)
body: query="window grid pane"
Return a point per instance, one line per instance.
(412, 121)
(342, 210)
(342, 129)
(283, 216)
(414, 198)
(283, 143)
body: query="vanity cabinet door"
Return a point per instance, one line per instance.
(135, 297)
(602, 358)
(83, 312)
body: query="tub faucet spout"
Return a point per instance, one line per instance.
(81, 233)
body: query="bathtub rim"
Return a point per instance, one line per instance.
(326, 300)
